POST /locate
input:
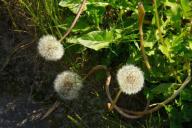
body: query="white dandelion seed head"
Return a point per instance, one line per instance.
(50, 48)
(67, 84)
(130, 79)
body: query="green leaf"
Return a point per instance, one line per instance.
(149, 44)
(73, 5)
(98, 4)
(166, 50)
(187, 10)
(186, 95)
(96, 40)
(175, 117)
(174, 13)
(164, 88)
(190, 44)
(174, 8)
(186, 112)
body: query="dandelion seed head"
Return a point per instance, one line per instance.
(130, 79)
(67, 84)
(50, 48)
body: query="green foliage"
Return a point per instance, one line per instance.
(96, 39)
(187, 8)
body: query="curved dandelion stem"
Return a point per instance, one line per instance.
(94, 69)
(75, 20)
(155, 107)
(53, 108)
(107, 84)
(141, 16)
(166, 101)
(115, 100)
(57, 103)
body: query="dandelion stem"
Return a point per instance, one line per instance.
(53, 108)
(136, 114)
(141, 16)
(162, 104)
(115, 100)
(75, 20)
(107, 84)
(94, 69)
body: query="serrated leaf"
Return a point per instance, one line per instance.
(174, 13)
(96, 40)
(187, 10)
(174, 8)
(166, 50)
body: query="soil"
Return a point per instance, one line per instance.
(17, 76)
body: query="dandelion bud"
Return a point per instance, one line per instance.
(67, 85)
(130, 79)
(50, 48)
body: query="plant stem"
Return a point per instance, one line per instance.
(173, 96)
(157, 22)
(137, 114)
(75, 20)
(57, 103)
(107, 83)
(141, 16)
(53, 108)
(94, 69)
(115, 100)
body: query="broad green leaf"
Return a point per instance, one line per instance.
(96, 40)
(73, 5)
